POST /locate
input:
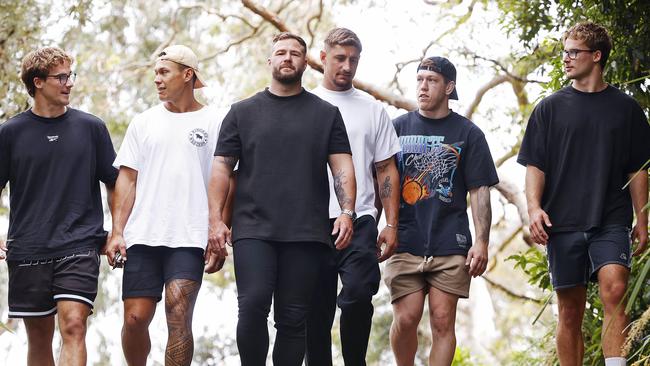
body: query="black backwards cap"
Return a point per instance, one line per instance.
(444, 67)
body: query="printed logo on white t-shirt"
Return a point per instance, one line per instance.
(198, 137)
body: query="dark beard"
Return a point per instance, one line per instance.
(287, 79)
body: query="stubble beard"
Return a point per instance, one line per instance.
(287, 79)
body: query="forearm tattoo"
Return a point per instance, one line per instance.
(484, 212)
(386, 188)
(339, 182)
(231, 161)
(180, 296)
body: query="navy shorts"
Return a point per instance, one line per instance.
(148, 269)
(36, 285)
(575, 257)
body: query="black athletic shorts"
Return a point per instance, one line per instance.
(148, 269)
(36, 285)
(575, 257)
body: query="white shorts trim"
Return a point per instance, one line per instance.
(31, 313)
(75, 297)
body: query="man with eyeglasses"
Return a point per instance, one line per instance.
(160, 211)
(53, 158)
(582, 145)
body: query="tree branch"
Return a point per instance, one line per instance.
(379, 93)
(497, 80)
(509, 292)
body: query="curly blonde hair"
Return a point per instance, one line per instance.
(595, 37)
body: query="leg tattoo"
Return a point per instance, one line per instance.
(180, 296)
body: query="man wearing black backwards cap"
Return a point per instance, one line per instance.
(444, 156)
(160, 210)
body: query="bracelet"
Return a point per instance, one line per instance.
(391, 226)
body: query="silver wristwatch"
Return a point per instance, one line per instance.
(352, 214)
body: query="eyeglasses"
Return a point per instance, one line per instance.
(63, 78)
(573, 54)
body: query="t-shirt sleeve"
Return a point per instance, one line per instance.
(105, 156)
(479, 169)
(339, 143)
(129, 153)
(5, 158)
(533, 146)
(229, 142)
(386, 143)
(640, 141)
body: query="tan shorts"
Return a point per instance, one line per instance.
(406, 273)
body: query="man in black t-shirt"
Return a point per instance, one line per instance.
(283, 138)
(581, 146)
(444, 156)
(53, 158)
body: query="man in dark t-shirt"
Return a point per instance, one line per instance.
(53, 158)
(582, 144)
(444, 156)
(283, 139)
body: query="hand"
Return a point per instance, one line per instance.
(539, 218)
(102, 250)
(219, 235)
(214, 262)
(343, 227)
(3, 249)
(115, 245)
(387, 236)
(477, 258)
(640, 234)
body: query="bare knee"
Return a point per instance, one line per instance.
(443, 321)
(406, 322)
(73, 326)
(612, 293)
(570, 315)
(136, 322)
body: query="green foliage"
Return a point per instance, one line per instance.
(628, 24)
(533, 263)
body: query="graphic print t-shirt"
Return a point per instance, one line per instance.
(172, 153)
(283, 145)
(441, 160)
(586, 144)
(54, 166)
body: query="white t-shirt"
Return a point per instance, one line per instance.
(172, 153)
(372, 139)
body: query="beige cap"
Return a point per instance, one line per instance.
(185, 56)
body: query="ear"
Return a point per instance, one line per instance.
(189, 74)
(268, 61)
(450, 87)
(323, 56)
(38, 82)
(597, 56)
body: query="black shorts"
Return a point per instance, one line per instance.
(148, 269)
(36, 285)
(575, 257)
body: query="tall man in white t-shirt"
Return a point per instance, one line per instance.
(160, 214)
(374, 143)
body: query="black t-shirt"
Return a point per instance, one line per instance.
(283, 144)
(53, 166)
(586, 144)
(441, 160)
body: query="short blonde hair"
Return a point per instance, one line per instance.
(38, 63)
(342, 37)
(595, 37)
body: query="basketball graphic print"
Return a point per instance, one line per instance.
(429, 167)
(198, 137)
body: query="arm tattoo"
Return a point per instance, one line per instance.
(381, 166)
(229, 161)
(484, 212)
(339, 181)
(386, 188)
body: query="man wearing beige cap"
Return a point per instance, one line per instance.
(160, 210)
